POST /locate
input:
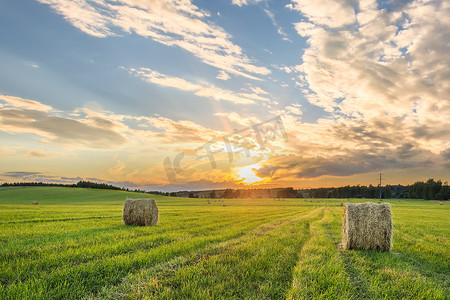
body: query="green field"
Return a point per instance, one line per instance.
(74, 245)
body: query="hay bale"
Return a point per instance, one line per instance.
(367, 226)
(35, 203)
(141, 212)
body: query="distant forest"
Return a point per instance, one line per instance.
(429, 190)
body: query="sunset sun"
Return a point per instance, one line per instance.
(248, 176)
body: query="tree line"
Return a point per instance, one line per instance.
(428, 190)
(80, 184)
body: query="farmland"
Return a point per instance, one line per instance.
(74, 245)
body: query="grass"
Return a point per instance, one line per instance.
(73, 245)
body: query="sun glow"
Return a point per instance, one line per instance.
(247, 175)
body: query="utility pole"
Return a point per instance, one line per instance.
(380, 186)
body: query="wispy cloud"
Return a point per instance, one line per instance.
(203, 89)
(223, 75)
(258, 90)
(38, 153)
(238, 119)
(172, 23)
(245, 2)
(17, 102)
(280, 30)
(20, 174)
(32, 65)
(39, 177)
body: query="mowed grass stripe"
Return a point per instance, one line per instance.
(320, 271)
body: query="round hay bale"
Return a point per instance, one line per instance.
(35, 203)
(367, 226)
(140, 212)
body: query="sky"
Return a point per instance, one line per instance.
(190, 95)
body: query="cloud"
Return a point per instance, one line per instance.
(446, 154)
(223, 75)
(117, 169)
(58, 129)
(172, 23)
(202, 90)
(353, 162)
(37, 153)
(330, 13)
(32, 65)
(96, 128)
(258, 90)
(372, 71)
(385, 58)
(78, 178)
(238, 119)
(20, 174)
(359, 163)
(294, 109)
(18, 102)
(245, 2)
(305, 29)
(275, 24)
(179, 132)
(289, 6)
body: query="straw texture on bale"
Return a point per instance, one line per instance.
(140, 212)
(367, 226)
